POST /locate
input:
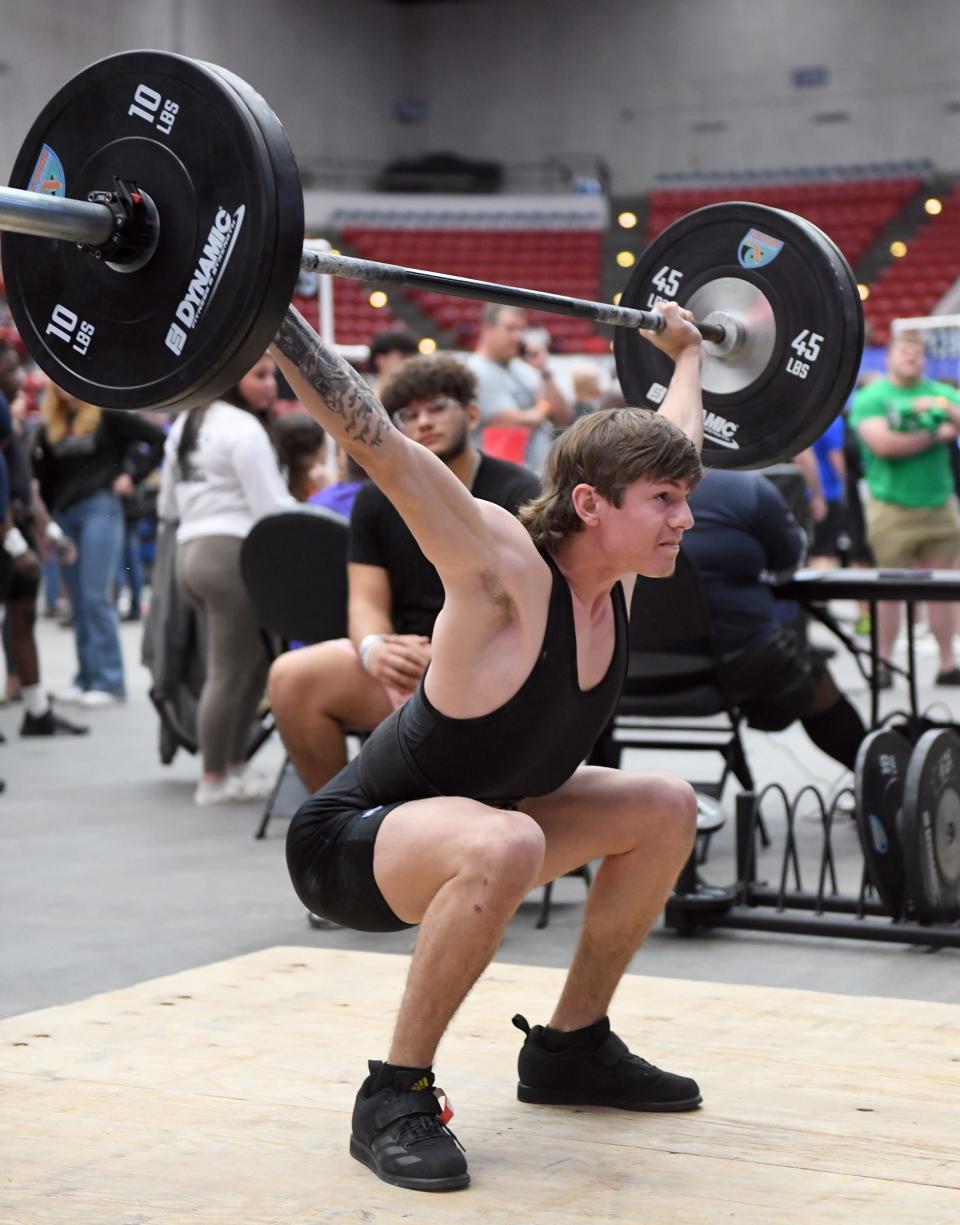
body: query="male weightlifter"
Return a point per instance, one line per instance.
(472, 793)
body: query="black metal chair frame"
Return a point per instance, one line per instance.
(294, 567)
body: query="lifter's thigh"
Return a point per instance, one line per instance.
(326, 681)
(601, 811)
(423, 844)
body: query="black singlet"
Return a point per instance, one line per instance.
(527, 747)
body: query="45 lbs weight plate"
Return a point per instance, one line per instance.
(790, 304)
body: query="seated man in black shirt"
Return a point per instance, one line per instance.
(744, 533)
(395, 594)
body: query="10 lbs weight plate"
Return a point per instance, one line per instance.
(789, 302)
(930, 826)
(879, 775)
(215, 162)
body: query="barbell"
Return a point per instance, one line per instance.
(154, 236)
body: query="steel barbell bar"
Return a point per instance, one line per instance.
(95, 225)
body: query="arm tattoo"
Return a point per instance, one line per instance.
(342, 390)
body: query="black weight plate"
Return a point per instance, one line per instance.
(930, 826)
(795, 293)
(879, 775)
(203, 309)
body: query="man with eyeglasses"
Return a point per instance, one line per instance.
(395, 594)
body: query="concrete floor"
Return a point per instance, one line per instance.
(112, 876)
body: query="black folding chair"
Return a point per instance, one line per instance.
(294, 567)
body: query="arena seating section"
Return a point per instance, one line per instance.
(914, 285)
(854, 213)
(556, 260)
(566, 259)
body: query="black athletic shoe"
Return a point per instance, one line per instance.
(400, 1132)
(595, 1069)
(50, 724)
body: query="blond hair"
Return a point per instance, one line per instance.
(55, 413)
(609, 450)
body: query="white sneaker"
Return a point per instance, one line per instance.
(250, 784)
(214, 791)
(73, 695)
(95, 698)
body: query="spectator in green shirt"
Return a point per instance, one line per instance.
(907, 425)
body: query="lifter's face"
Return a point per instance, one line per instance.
(646, 530)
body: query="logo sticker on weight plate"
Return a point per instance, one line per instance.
(878, 835)
(721, 431)
(219, 245)
(48, 178)
(757, 249)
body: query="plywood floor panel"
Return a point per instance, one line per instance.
(222, 1095)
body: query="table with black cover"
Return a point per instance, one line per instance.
(815, 587)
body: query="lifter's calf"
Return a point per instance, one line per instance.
(461, 928)
(628, 892)
(316, 692)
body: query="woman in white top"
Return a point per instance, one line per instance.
(220, 475)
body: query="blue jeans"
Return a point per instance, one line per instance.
(95, 525)
(130, 570)
(51, 582)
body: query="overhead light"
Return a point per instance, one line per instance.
(933, 206)
(627, 219)
(616, 299)
(626, 259)
(898, 249)
(864, 292)
(378, 299)
(427, 345)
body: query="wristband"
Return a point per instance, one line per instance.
(367, 643)
(53, 532)
(14, 543)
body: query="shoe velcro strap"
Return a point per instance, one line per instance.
(611, 1051)
(423, 1101)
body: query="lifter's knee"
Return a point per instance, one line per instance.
(671, 810)
(503, 855)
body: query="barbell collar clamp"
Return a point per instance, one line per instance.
(136, 227)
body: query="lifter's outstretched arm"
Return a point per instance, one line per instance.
(682, 343)
(330, 389)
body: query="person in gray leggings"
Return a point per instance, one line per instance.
(220, 476)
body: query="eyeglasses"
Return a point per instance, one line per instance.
(433, 408)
